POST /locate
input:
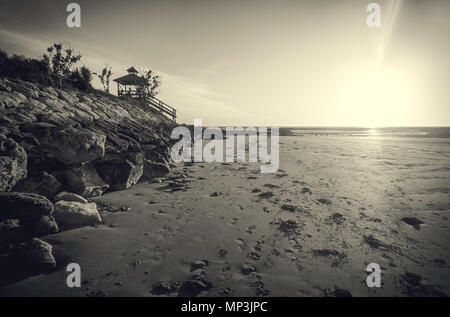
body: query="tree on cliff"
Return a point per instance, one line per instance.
(59, 61)
(153, 80)
(82, 78)
(105, 77)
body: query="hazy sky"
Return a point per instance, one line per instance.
(261, 62)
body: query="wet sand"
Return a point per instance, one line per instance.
(335, 205)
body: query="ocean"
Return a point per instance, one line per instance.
(418, 132)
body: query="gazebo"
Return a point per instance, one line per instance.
(131, 85)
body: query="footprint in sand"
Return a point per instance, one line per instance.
(222, 253)
(271, 186)
(266, 195)
(254, 256)
(258, 287)
(233, 221)
(250, 229)
(241, 244)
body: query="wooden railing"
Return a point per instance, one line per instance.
(153, 102)
(162, 107)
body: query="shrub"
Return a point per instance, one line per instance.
(81, 78)
(105, 77)
(59, 61)
(152, 83)
(23, 68)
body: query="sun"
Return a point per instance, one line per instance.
(375, 98)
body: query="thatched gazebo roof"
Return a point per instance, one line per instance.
(132, 70)
(131, 79)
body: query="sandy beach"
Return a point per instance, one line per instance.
(335, 205)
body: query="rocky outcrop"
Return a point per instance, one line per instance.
(87, 142)
(66, 146)
(13, 163)
(71, 213)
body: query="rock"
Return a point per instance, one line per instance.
(41, 183)
(413, 221)
(11, 99)
(44, 225)
(85, 181)
(4, 85)
(306, 190)
(121, 171)
(338, 292)
(71, 213)
(193, 288)
(289, 208)
(163, 287)
(70, 197)
(324, 201)
(154, 169)
(23, 205)
(336, 218)
(148, 148)
(439, 262)
(73, 146)
(11, 231)
(266, 195)
(246, 269)
(288, 225)
(38, 160)
(13, 163)
(37, 254)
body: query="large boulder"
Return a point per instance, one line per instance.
(41, 183)
(69, 197)
(84, 180)
(70, 146)
(121, 171)
(74, 146)
(13, 163)
(71, 213)
(43, 226)
(38, 158)
(155, 169)
(23, 205)
(36, 254)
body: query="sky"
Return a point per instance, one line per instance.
(261, 62)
